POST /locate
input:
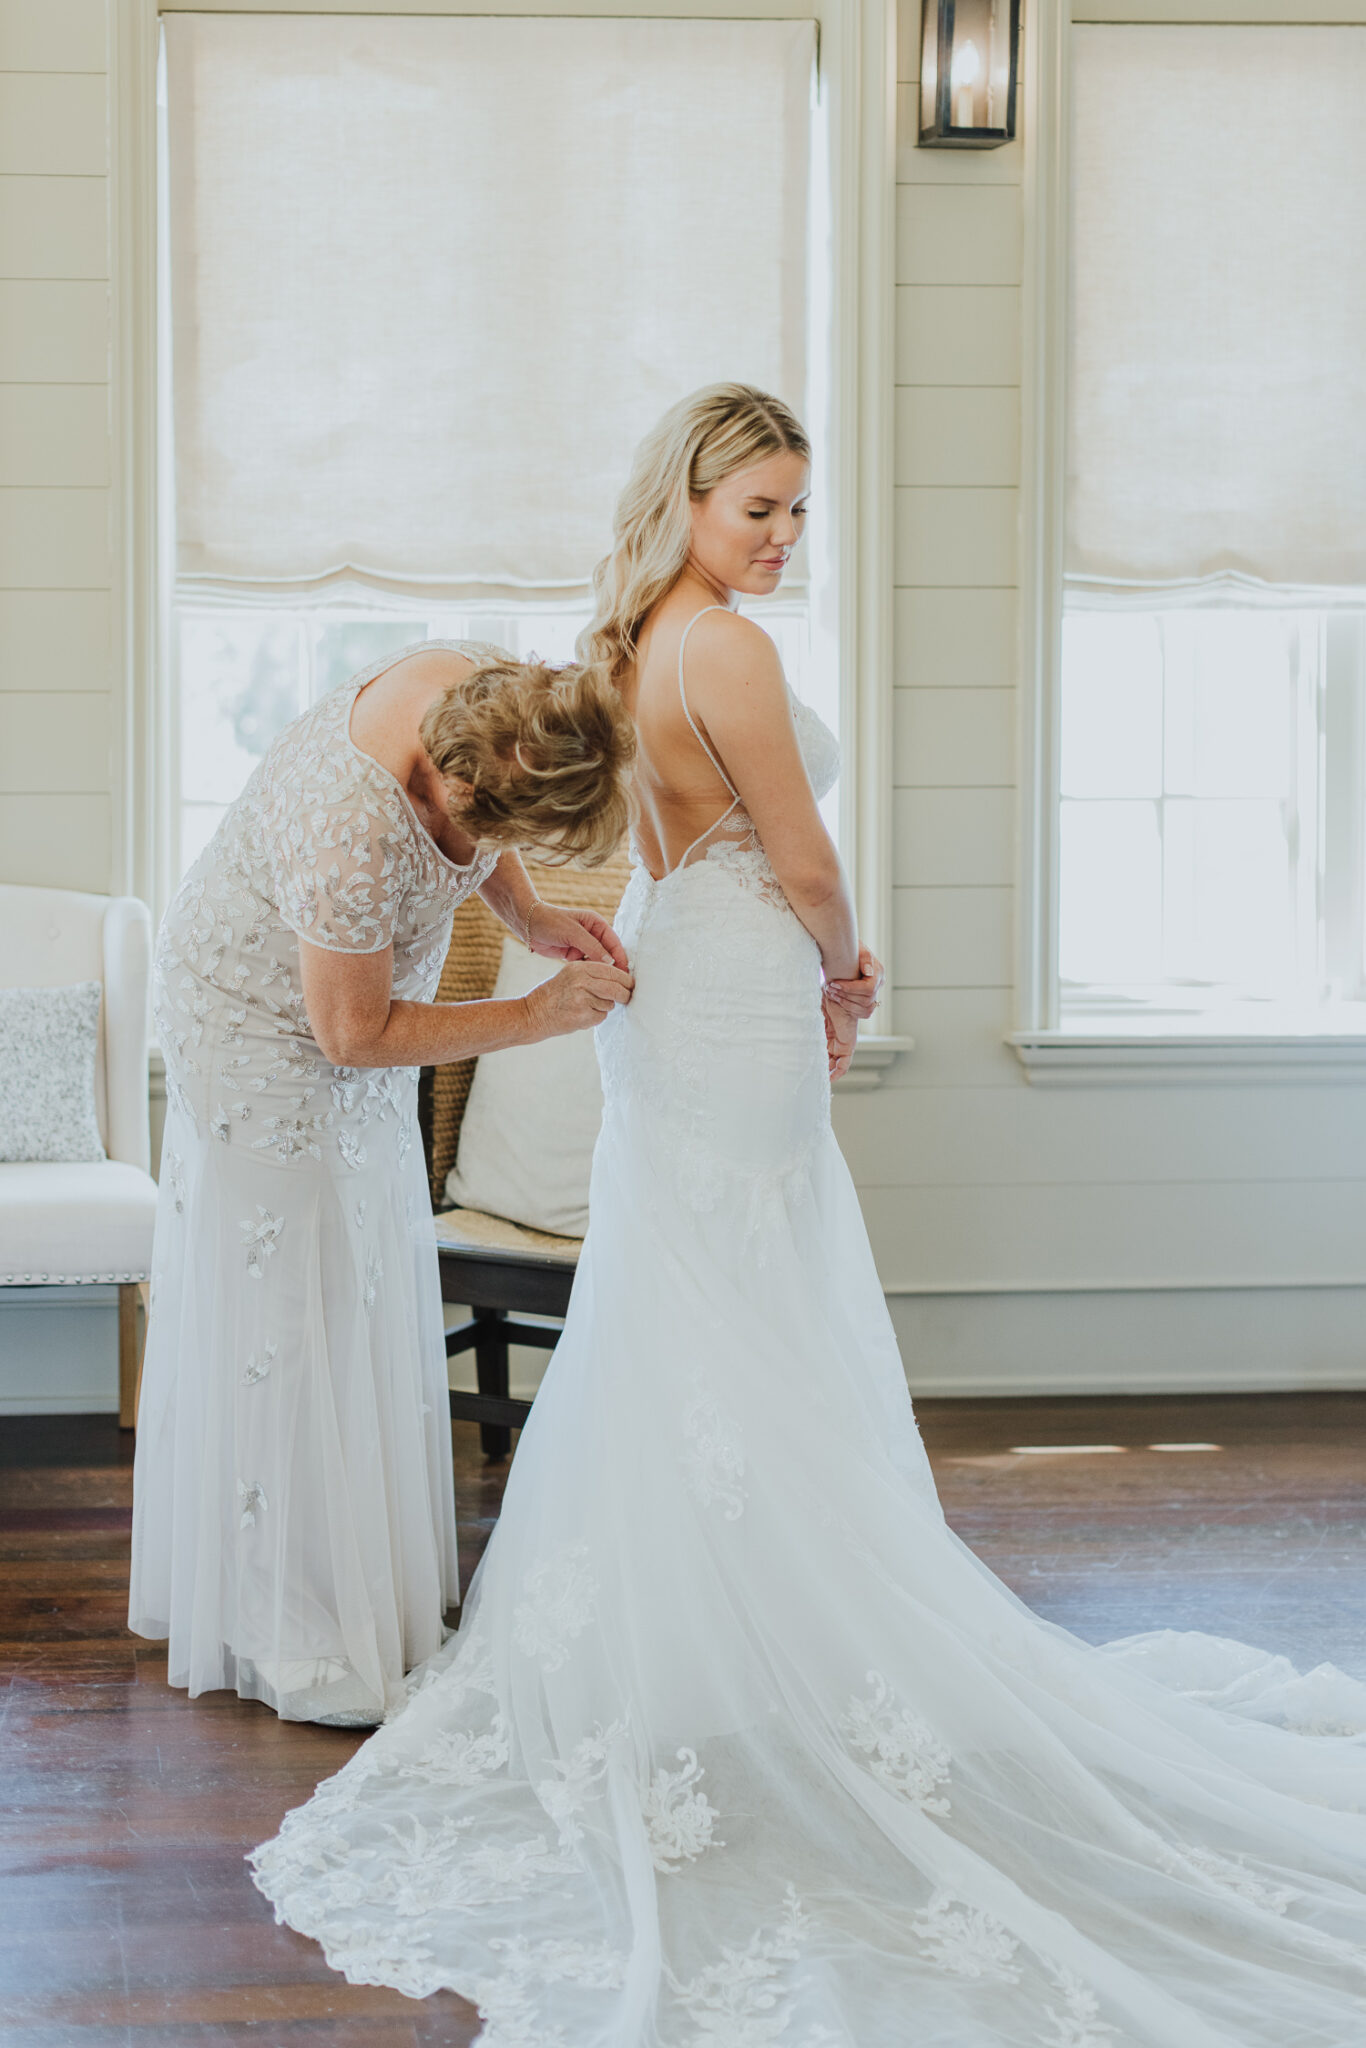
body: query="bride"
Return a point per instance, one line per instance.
(737, 1744)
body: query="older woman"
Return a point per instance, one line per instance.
(294, 1533)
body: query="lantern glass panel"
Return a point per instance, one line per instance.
(929, 65)
(979, 72)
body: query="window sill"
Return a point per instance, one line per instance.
(1175, 1059)
(872, 1057)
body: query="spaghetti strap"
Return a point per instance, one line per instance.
(709, 751)
(683, 698)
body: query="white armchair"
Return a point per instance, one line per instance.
(78, 1225)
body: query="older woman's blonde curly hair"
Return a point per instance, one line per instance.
(544, 751)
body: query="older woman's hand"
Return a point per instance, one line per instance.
(859, 996)
(576, 998)
(573, 935)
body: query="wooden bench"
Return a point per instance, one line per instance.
(497, 1269)
(501, 1273)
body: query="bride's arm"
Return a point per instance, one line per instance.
(741, 699)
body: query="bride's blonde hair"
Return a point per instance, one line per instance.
(699, 441)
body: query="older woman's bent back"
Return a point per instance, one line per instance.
(294, 1528)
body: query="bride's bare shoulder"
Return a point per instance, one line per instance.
(726, 652)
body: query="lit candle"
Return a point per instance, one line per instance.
(963, 77)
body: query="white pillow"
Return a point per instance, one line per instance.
(48, 1038)
(530, 1125)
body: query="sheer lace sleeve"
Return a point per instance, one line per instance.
(342, 861)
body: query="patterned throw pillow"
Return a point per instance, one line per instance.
(48, 1038)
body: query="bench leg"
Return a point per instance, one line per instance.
(130, 1351)
(491, 1377)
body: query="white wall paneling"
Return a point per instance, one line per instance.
(55, 842)
(54, 639)
(1174, 1341)
(52, 124)
(53, 35)
(955, 637)
(55, 434)
(949, 837)
(954, 736)
(951, 537)
(952, 939)
(55, 459)
(69, 730)
(54, 539)
(958, 434)
(53, 227)
(949, 334)
(1033, 1239)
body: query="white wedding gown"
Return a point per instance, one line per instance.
(738, 1746)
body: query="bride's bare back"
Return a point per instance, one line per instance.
(685, 800)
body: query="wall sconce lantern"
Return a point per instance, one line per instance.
(969, 55)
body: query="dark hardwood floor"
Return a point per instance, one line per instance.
(126, 1915)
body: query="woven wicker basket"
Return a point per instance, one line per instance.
(469, 975)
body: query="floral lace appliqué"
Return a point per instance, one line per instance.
(966, 1941)
(899, 1751)
(566, 1795)
(251, 1495)
(679, 1820)
(714, 1459)
(460, 1758)
(741, 2001)
(258, 1365)
(260, 1239)
(558, 1601)
(1076, 2023)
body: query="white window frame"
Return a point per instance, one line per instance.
(857, 60)
(1049, 1054)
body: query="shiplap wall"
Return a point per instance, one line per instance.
(1030, 1239)
(55, 772)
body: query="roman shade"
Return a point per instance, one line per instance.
(432, 277)
(1217, 430)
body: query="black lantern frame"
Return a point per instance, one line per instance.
(969, 65)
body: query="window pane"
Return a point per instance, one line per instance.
(1215, 714)
(1230, 703)
(1111, 911)
(1228, 896)
(341, 647)
(239, 683)
(1111, 705)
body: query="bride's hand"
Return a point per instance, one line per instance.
(841, 1034)
(573, 935)
(859, 996)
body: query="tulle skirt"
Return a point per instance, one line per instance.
(738, 1745)
(293, 1526)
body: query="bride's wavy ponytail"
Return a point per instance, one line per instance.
(719, 429)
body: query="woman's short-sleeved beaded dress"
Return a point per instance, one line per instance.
(293, 1522)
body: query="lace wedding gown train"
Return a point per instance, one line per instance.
(738, 1746)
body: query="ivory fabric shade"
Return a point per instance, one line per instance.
(1217, 426)
(432, 278)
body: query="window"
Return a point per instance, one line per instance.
(1212, 778)
(1211, 786)
(243, 674)
(429, 279)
